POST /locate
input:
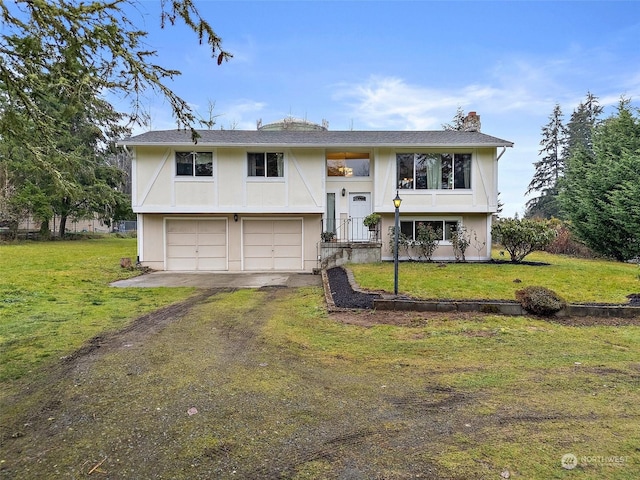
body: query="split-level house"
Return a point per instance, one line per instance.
(240, 200)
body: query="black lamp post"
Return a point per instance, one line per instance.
(396, 203)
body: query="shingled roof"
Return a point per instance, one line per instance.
(318, 139)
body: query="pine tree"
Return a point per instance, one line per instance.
(458, 121)
(601, 189)
(549, 168)
(580, 127)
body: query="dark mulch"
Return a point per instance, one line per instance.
(634, 299)
(343, 295)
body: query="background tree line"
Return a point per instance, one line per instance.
(588, 175)
(58, 59)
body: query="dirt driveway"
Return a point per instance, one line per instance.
(237, 384)
(197, 391)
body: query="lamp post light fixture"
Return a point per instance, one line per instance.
(396, 203)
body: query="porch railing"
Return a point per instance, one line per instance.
(349, 229)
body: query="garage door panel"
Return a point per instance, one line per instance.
(253, 251)
(212, 263)
(182, 226)
(212, 251)
(181, 239)
(196, 245)
(213, 227)
(258, 227)
(285, 251)
(183, 251)
(272, 244)
(212, 239)
(287, 239)
(253, 239)
(287, 227)
(175, 263)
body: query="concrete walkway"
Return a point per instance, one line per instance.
(221, 280)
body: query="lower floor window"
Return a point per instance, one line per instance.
(410, 228)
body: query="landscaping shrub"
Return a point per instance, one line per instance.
(521, 237)
(460, 241)
(565, 244)
(540, 300)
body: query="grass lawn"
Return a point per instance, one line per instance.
(55, 296)
(576, 280)
(265, 384)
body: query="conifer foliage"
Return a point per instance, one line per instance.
(549, 168)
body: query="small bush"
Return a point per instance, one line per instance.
(566, 244)
(540, 300)
(521, 237)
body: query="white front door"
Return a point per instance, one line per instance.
(359, 207)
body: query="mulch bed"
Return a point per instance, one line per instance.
(345, 297)
(343, 294)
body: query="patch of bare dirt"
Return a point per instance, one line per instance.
(197, 390)
(370, 318)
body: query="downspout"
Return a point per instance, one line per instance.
(504, 149)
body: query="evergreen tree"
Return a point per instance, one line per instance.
(579, 131)
(548, 169)
(601, 188)
(457, 123)
(56, 60)
(93, 46)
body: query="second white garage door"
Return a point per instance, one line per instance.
(272, 244)
(199, 245)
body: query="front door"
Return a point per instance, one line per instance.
(359, 207)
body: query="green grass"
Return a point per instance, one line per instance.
(576, 280)
(282, 389)
(540, 389)
(54, 296)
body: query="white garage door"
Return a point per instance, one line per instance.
(196, 245)
(272, 244)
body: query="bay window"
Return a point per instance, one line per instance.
(433, 171)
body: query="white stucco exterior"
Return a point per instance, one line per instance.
(230, 220)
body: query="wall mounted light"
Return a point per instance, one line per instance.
(235, 217)
(344, 192)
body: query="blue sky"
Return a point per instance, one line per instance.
(405, 65)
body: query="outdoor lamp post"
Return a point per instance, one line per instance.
(396, 203)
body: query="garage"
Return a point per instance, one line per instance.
(272, 244)
(196, 244)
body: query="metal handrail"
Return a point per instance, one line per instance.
(349, 229)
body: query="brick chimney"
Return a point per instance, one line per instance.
(471, 122)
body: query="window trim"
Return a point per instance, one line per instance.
(453, 153)
(345, 158)
(193, 177)
(265, 178)
(444, 220)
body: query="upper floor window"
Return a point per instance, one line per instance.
(419, 171)
(266, 164)
(198, 164)
(348, 164)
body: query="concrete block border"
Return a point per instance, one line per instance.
(389, 302)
